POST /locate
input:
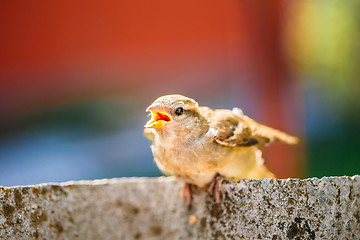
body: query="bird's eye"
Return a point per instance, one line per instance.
(179, 111)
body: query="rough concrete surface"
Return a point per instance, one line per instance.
(151, 208)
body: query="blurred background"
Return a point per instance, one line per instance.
(76, 77)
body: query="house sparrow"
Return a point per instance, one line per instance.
(201, 146)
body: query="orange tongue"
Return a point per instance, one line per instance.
(158, 120)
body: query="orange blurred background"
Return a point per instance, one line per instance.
(76, 77)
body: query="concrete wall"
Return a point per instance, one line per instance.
(151, 208)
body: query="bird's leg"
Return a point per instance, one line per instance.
(218, 189)
(186, 191)
(215, 185)
(212, 186)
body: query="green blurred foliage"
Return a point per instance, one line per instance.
(325, 46)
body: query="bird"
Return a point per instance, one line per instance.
(202, 146)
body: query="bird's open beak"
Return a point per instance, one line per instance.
(159, 117)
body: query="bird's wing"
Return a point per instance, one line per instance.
(236, 129)
(267, 134)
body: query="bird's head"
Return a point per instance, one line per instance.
(174, 113)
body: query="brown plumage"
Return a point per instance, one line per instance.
(236, 129)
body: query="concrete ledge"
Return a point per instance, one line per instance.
(150, 208)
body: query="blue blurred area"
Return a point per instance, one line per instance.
(86, 141)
